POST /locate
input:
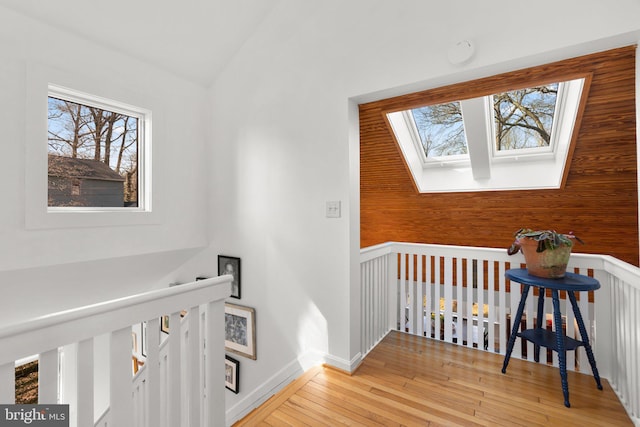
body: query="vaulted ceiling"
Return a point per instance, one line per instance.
(193, 39)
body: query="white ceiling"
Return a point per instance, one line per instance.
(190, 38)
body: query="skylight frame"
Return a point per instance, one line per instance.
(430, 160)
(532, 153)
(523, 169)
(452, 160)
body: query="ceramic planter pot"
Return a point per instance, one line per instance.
(550, 263)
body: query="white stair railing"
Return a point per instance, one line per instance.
(459, 295)
(165, 399)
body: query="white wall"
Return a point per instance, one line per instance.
(61, 267)
(280, 140)
(284, 141)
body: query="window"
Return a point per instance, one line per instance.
(487, 142)
(441, 130)
(523, 118)
(95, 153)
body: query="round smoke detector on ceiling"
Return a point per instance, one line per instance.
(461, 52)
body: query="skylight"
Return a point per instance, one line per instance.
(488, 142)
(441, 129)
(523, 118)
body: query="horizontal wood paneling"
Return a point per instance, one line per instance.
(599, 201)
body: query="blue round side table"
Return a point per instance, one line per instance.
(556, 341)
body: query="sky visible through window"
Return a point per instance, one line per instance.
(102, 143)
(524, 118)
(441, 129)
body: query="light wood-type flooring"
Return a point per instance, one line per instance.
(412, 381)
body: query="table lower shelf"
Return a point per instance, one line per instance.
(545, 338)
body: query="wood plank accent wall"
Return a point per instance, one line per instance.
(599, 201)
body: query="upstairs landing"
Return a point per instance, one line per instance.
(409, 380)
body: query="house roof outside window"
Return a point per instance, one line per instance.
(68, 167)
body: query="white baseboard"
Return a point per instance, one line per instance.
(343, 364)
(284, 377)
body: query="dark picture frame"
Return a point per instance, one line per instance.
(231, 265)
(164, 321)
(240, 330)
(164, 324)
(143, 339)
(232, 374)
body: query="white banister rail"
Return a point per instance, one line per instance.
(72, 332)
(459, 295)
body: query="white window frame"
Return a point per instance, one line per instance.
(38, 215)
(144, 139)
(485, 169)
(535, 152)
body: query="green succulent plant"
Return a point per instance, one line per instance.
(547, 239)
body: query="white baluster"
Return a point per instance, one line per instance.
(502, 306)
(363, 306)
(173, 381)
(448, 299)
(396, 311)
(152, 366)
(69, 378)
(8, 383)
(214, 369)
(422, 324)
(491, 302)
(195, 376)
(413, 304)
(436, 298)
(479, 338)
(85, 383)
(121, 410)
(48, 377)
(469, 302)
(404, 294)
(428, 306)
(457, 295)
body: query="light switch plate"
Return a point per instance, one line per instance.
(333, 209)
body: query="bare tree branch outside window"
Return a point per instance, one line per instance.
(524, 117)
(441, 129)
(85, 133)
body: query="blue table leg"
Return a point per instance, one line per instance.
(514, 329)
(585, 338)
(562, 352)
(536, 348)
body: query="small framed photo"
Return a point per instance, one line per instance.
(230, 265)
(240, 330)
(143, 340)
(164, 324)
(164, 321)
(231, 374)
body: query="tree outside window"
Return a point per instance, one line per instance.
(93, 156)
(441, 129)
(524, 117)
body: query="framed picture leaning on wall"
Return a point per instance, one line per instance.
(240, 330)
(230, 265)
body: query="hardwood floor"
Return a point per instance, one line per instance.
(413, 381)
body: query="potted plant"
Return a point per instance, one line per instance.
(545, 251)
